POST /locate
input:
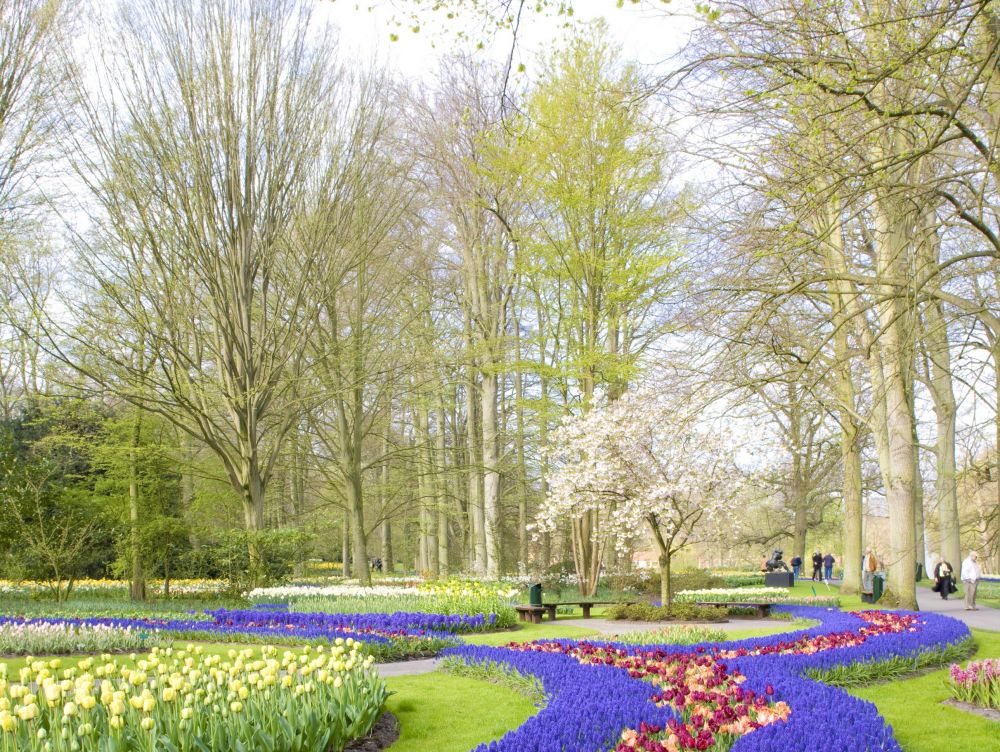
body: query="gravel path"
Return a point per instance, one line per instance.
(984, 618)
(407, 668)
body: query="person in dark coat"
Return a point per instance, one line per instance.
(797, 566)
(944, 579)
(828, 562)
(817, 565)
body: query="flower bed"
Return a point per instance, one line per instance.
(385, 635)
(307, 700)
(451, 598)
(755, 595)
(748, 695)
(683, 634)
(42, 638)
(977, 684)
(119, 588)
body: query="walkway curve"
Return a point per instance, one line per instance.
(985, 618)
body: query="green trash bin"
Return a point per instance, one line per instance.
(920, 571)
(535, 595)
(878, 585)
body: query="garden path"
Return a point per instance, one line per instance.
(406, 668)
(984, 618)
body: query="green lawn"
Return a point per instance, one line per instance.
(921, 723)
(446, 713)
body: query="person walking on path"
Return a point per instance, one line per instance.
(828, 562)
(869, 565)
(943, 579)
(817, 565)
(797, 566)
(971, 572)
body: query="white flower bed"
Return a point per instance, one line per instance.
(778, 596)
(295, 592)
(727, 595)
(41, 638)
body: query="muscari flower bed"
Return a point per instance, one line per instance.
(745, 696)
(384, 635)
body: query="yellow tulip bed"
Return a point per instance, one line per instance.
(308, 700)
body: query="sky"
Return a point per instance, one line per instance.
(649, 31)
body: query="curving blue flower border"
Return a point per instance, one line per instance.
(589, 706)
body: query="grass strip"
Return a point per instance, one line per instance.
(866, 673)
(495, 673)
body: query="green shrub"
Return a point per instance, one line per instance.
(676, 612)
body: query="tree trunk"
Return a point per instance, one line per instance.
(491, 475)
(477, 517)
(844, 312)
(945, 411)
(853, 512)
(443, 552)
(345, 545)
(387, 565)
(889, 377)
(666, 596)
(428, 497)
(355, 506)
(253, 515)
(137, 587)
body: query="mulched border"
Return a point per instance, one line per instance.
(383, 735)
(988, 713)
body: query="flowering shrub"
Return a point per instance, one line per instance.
(754, 595)
(42, 638)
(750, 694)
(978, 683)
(308, 700)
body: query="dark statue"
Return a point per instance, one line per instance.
(776, 563)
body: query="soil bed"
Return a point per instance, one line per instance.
(384, 734)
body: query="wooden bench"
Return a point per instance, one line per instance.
(763, 609)
(550, 608)
(530, 613)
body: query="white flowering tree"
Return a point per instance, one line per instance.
(642, 466)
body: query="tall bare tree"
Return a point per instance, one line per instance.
(211, 145)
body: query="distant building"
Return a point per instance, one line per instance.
(646, 560)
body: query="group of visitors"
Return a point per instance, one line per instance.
(945, 583)
(822, 566)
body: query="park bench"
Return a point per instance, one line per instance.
(530, 613)
(534, 613)
(550, 608)
(763, 609)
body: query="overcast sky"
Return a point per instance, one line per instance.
(650, 32)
